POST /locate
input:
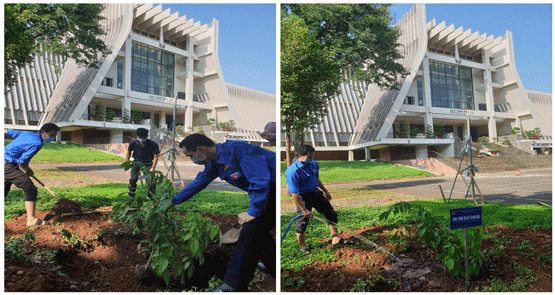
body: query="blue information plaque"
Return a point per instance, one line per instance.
(465, 217)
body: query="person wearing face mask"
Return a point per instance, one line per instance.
(146, 151)
(304, 185)
(18, 153)
(252, 169)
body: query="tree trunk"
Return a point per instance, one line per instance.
(288, 158)
(298, 141)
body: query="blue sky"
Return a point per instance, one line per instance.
(247, 40)
(531, 25)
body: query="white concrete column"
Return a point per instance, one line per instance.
(421, 151)
(367, 153)
(427, 92)
(467, 129)
(447, 150)
(116, 136)
(163, 123)
(189, 80)
(351, 156)
(490, 104)
(126, 101)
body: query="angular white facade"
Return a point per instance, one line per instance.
(456, 77)
(158, 59)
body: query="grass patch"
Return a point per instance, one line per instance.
(59, 152)
(343, 171)
(351, 193)
(94, 196)
(516, 216)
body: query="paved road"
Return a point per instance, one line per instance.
(530, 187)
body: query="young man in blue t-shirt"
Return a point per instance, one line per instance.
(145, 151)
(18, 153)
(303, 181)
(252, 169)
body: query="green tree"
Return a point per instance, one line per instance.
(361, 37)
(67, 30)
(309, 77)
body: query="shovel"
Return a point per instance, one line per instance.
(63, 205)
(231, 236)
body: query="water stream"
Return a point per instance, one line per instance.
(365, 240)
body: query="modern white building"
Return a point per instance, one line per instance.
(158, 59)
(456, 77)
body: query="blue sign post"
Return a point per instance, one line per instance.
(465, 218)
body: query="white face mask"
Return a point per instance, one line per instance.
(196, 160)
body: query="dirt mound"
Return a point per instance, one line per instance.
(87, 253)
(362, 268)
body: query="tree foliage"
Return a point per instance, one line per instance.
(67, 30)
(309, 77)
(363, 42)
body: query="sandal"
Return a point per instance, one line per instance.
(342, 242)
(306, 251)
(39, 222)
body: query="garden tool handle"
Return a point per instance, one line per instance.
(51, 192)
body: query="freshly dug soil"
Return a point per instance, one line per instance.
(419, 270)
(107, 260)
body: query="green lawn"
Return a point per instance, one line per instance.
(342, 171)
(94, 196)
(515, 216)
(58, 152)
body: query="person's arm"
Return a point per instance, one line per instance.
(27, 169)
(201, 181)
(323, 188)
(129, 151)
(258, 174)
(29, 154)
(154, 162)
(13, 133)
(292, 186)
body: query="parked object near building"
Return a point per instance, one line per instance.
(157, 60)
(458, 85)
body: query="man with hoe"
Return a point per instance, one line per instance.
(18, 154)
(303, 181)
(252, 169)
(145, 151)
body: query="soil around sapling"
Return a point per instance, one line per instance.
(108, 260)
(362, 266)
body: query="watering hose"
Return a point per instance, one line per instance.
(352, 233)
(287, 229)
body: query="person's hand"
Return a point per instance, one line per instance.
(245, 217)
(327, 195)
(151, 169)
(306, 213)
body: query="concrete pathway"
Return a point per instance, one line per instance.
(530, 187)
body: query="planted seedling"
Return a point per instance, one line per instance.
(176, 242)
(15, 248)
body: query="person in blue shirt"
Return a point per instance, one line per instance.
(145, 151)
(304, 185)
(252, 169)
(18, 153)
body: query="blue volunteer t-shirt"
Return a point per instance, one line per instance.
(24, 147)
(302, 179)
(245, 166)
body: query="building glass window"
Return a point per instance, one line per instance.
(451, 86)
(120, 74)
(152, 70)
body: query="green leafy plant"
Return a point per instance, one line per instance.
(403, 129)
(497, 285)
(15, 247)
(176, 242)
(429, 131)
(483, 139)
(110, 115)
(414, 131)
(136, 115)
(211, 122)
(448, 243)
(99, 112)
(125, 116)
(515, 130)
(506, 141)
(439, 130)
(537, 132)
